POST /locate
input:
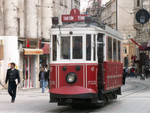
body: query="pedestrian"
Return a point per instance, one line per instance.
(47, 74)
(42, 78)
(132, 72)
(126, 71)
(14, 79)
(124, 76)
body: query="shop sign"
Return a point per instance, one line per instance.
(31, 43)
(33, 51)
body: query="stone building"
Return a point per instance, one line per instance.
(23, 24)
(119, 15)
(142, 35)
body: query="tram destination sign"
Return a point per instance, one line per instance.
(74, 16)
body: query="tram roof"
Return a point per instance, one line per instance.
(93, 26)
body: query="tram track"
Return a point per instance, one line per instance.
(136, 86)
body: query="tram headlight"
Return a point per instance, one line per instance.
(71, 78)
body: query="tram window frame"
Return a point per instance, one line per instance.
(54, 58)
(69, 48)
(94, 47)
(119, 50)
(109, 46)
(88, 47)
(75, 57)
(114, 49)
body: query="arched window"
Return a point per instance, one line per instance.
(138, 2)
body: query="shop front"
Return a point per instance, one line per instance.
(30, 68)
(31, 64)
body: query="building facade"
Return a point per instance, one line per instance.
(142, 35)
(23, 24)
(119, 15)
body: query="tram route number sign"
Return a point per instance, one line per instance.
(142, 16)
(74, 16)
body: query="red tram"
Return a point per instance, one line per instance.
(85, 63)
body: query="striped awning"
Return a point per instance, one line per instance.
(32, 51)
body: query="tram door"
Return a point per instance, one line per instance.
(100, 53)
(28, 72)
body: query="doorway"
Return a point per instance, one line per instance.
(28, 72)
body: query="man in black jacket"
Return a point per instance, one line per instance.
(14, 79)
(42, 78)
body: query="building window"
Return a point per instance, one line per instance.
(66, 3)
(109, 48)
(61, 2)
(138, 2)
(1, 50)
(125, 50)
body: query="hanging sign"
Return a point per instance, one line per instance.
(142, 16)
(74, 16)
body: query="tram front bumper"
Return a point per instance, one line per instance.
(74, 93)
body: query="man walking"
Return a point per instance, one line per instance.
(14, 79)
(42, 78)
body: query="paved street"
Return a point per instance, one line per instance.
(135, 98)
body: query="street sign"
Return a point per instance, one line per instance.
(142, 16)
(74, 16)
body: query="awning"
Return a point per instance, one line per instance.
(148, 45)
(145, 46)
(46, 48)
(32, 51)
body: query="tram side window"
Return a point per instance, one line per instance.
(94, 52)
(114, 49)
(109, 48)
(119, 48)
(88, 47)
(65, 47)
(54, 47)
(77, 47)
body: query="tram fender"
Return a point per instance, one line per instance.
(72, 90)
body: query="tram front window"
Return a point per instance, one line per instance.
(77, 47)
(65, 47)
(88, 47)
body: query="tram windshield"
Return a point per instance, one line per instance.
(77, 47)
(65, 47)
(72, 48)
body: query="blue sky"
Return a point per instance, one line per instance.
(84, 3)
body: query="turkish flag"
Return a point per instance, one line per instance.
(28, 45)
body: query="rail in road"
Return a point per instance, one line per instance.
(133, 86)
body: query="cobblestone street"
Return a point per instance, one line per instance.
(135, 98)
